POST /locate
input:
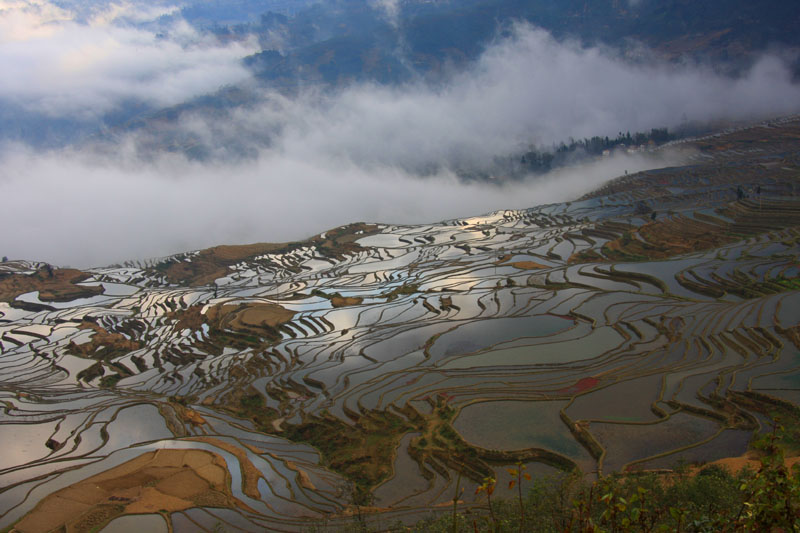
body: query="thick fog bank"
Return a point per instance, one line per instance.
(282, 168)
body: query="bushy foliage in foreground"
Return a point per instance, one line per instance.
(712, 500)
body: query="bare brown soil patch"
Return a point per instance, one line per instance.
(250, 474)
(190, 318)
(162, 480)
(259, 319)
(103, 346)
(213, 263)
(342, 240)
(527, 265)
(194, 273)
(668, 238)
(344, 301)
(189, 415)
(736, 464)
(302, 475)
(235, 324)
(259, 315)
(671, 236)
(102, 343)
(242, 251)
(342, 236)
(54, 285)
(254, 449)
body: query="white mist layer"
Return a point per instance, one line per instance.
(364, 153)
(60, 66)
(70, 209)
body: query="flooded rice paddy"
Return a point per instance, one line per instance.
(498, 332)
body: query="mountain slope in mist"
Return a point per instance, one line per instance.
(345, 40)
(150, 135)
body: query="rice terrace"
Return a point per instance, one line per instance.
(374, 369)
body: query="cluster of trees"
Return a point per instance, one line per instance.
(540, 161)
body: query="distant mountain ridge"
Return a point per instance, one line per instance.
(351, 39)
(339, 42)
(336, 43)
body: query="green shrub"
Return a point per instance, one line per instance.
(712, 500)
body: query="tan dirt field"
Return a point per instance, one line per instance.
(163, 480)
(527, 265)
(58, 287)
(340, 301)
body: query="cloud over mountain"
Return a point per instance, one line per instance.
(59, 64)
(283, 167)
(527, 89)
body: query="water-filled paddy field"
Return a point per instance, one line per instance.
(377, 367)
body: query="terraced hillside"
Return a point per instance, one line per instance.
(371, 368)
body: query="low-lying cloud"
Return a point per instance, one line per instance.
(60, 65)
(283, 168)
(70, 208)
(526, 90)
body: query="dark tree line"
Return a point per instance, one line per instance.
(539, 161)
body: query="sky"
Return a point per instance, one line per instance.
(284, 168)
